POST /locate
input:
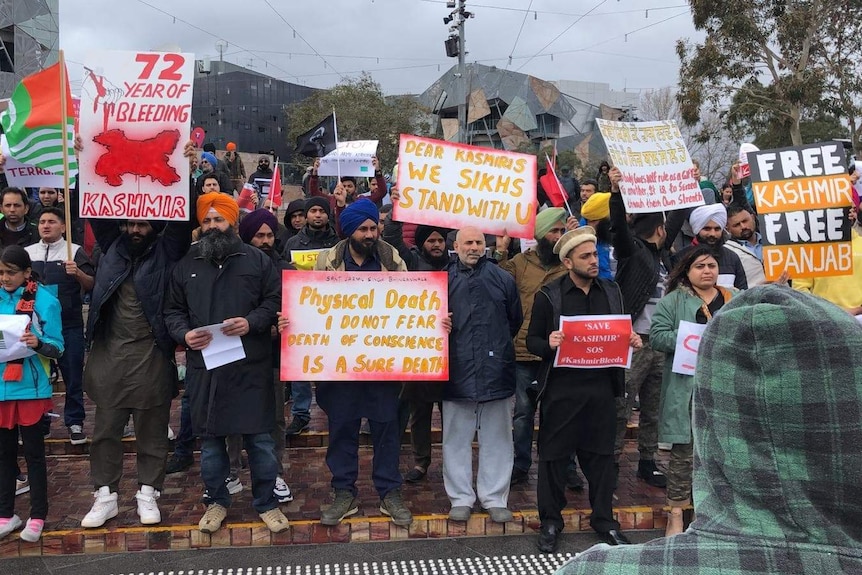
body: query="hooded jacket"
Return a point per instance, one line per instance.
(776, 447)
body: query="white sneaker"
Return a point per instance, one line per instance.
(10, 525)
(282, 491)
(171, 434)
(32, 532)
(148, 510)
(104, 508)
(22, 484)
(234, 485)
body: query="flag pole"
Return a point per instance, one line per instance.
(67, 200)
(337, 157)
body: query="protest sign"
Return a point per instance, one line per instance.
(744, 164)
(803, 195)
(304, 259)
(455, 185)
(26, 176)
(135, 120)
(657, 170)
(354, 158)
(688, 336)
(595, 341)
(364, 326)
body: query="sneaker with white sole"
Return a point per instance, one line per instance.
(148, 509)
(282, 491)
(32, 532)
(76, 435)
(9, 524)
(275, 520)
(104, 508)
(22, 484)
(234, 485)
(212, 519)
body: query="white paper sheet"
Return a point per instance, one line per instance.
(11, 329)
(687, 345)
(223, 349)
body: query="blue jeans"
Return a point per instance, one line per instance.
(525, 412)
(72, 367)
(301, 393)
(215, 467)
(185, 441)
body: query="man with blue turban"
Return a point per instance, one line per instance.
(347, 402)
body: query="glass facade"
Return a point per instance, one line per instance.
(29, 39)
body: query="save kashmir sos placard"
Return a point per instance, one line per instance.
(803, 195)
(595, 341)
(455, 186)
(135, 120)
(364, 326)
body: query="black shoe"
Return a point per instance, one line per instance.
(176, 464)
(297, 426)
(519, 476)
(549, 538)
(614, 537)
(573, 480)
(415, 475)
(648, 471)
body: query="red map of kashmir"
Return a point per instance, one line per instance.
(142, 158)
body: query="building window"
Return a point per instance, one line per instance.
(261, 129)
(242, 108)
(548, 124)
(7, 49)
(254, 109)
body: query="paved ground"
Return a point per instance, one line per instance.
(504, 555)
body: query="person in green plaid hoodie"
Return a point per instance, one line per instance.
(777, 459)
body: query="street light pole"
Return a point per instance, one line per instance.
(462, 72)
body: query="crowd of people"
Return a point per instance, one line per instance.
(155, 288)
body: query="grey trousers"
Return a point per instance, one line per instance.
(493, 421)
(642, 380)
(234, 442)
(151, 438)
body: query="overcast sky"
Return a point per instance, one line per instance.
(400, 42)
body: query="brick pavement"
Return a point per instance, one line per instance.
(638, 506)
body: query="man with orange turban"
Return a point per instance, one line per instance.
(225, 283)
(235, 167)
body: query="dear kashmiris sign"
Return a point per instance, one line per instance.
(364, 326)
(454, 186)
(657, 171)
(803, 195)
(134, 122)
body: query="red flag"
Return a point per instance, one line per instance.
(275, 187)
(552, 186)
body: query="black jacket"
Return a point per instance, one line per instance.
(393, 234)
(638, 261)
(151, 273)
(224, 183)
(236, 398)
(486, 316)
(552, 292)
(308, 239)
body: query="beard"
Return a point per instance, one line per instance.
(138, 244)
(545, 251)
(714, 244)
(603, 232)
(215, 245)
(364, 248)
(437, 262)
(746, 235)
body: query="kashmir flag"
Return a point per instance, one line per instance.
(33, 124)
(275, 187)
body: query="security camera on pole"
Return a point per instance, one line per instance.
(455, 46)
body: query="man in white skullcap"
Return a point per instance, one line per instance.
(707, 223)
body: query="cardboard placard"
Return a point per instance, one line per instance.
(803, 195)
(352, 158)
(135, 120)
(364, 326)
(657, 169)
(595, 341)
(455, 185)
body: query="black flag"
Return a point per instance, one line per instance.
(318, 141)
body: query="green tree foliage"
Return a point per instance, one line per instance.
(362, 113)
(769, 54)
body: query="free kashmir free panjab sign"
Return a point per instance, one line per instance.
(455, 185)
(135, 120)
(364, 326)
(803, 195)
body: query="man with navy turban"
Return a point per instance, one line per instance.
(347, 402)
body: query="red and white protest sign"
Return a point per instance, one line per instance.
(688, 336)
(364, 326)
(135, 120)
(595, 341)
(455, 185)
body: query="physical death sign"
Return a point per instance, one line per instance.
(803, 195)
